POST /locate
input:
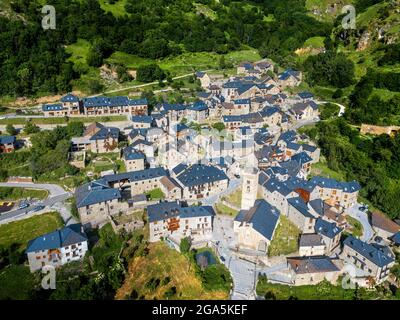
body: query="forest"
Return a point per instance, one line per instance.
(373, 161)
(34, 61)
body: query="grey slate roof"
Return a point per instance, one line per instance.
(65, 237)
(7, 139)
(136, 175)
(299, 204)
(201, 174)
(349, 187)
(131, 154)
(317, 264)
(263, 217)
(69, 98)
(327, 229)
(310, 240)
(105, 133)
(95, 192)
(166, 210)
(368, 251)
(52, 107)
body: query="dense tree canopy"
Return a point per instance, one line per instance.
(330, 69)
(34, 60)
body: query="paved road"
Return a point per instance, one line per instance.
(361, 216)
(146, 84)
(243, 272)
(57, 196)
(53, 189)
(342, 107)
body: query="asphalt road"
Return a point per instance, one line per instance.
(361, 216)
(56, 196)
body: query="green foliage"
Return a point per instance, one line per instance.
(216, 277)
(219, 126)
(374, 162)
(328, 110)
(155, 194)
(95, 86)
(150, 73)
(372, 109)
(11, 130)
(184, 246)
(329, 69)
(31, 128)
(16, 283)
(9, 193)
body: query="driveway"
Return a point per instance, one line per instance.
(361, 216)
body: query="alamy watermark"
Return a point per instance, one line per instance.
(49, 18)
(349, 20)
(49, 278)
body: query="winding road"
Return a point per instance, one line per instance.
(57, 195)
(361, 216)
(341, 110)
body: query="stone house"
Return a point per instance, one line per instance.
(57, 248)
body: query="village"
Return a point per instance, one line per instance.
(245, 146)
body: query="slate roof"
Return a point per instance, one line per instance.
(198, 106)
(201, 174)
(179, 168)
(301, 158)
(310, 240)
(131, 154)
(94, 192)
(305, 95)
(167, 210)
(52, 107)
(263, 217)
(288, 136)
(293, 167)
(396, 238)
(241, 101)
(7, 139)
(137, 132)
(327, 229)
(204, 95)
(269, 111)
(317, 264)
(299, 204)
(329, 183)
(69, 98)
(142, 119)
(118, 101)
(67, 236)
(232, 118)
(289, 73)
(200, 74)
(309, 147)
(105, 133)
(136, 175)
(273, 185)
(368, 251)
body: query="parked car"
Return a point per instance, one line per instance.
(38, 208)
(222, 258)
(23, 205)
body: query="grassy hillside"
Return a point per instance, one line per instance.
(169, 269)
